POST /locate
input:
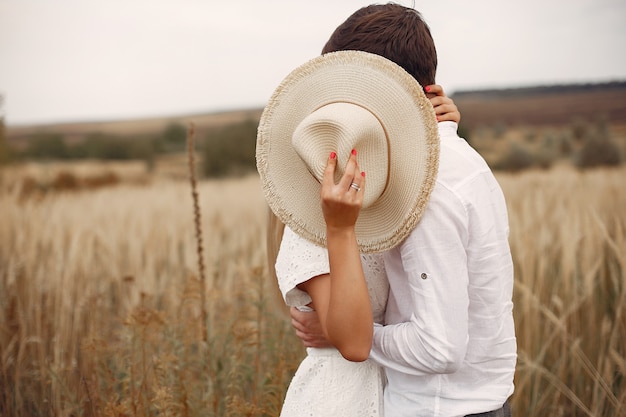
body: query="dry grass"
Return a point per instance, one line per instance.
(568, 237)
(100, 305)
(100, 310)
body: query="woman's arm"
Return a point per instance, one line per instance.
(341, 298)
(445, 109)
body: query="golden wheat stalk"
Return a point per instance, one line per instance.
(198, 225)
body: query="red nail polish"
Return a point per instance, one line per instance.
(427, 88)
(353, 151)
(362, 173)
(333, 155)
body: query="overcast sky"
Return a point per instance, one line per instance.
(75, 60)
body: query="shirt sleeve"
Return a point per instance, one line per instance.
(434, 260)
(298, 261)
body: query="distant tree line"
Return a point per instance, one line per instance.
(226, 151)
(230, 150)
(5, 151)
(497, 93)
(96, 145)
(585, 144)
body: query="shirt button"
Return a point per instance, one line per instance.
(424, 275)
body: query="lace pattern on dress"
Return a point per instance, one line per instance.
(300, 260)
(328, 385)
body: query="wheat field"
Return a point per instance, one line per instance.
(102, 310)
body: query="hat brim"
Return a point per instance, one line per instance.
(407, 116)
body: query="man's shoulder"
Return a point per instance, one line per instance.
(459, 162)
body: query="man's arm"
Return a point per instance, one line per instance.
(308, 328)
(434, 261)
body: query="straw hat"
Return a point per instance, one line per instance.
(338, 102)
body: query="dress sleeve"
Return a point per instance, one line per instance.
(298, 261)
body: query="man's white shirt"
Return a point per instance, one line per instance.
(449, 344)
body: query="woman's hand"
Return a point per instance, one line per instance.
(445, 109)
(342, 202)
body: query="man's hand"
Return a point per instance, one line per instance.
(308, 328)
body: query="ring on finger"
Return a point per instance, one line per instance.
(355, 186)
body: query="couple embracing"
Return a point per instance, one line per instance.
(393, 232)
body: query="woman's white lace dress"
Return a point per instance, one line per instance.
(326, 384)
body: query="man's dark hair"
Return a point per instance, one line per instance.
(393, 31)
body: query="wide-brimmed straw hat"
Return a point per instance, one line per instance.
(335, 103)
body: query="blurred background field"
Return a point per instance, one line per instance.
(102, 310)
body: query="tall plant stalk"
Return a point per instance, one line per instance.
(198, 227)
